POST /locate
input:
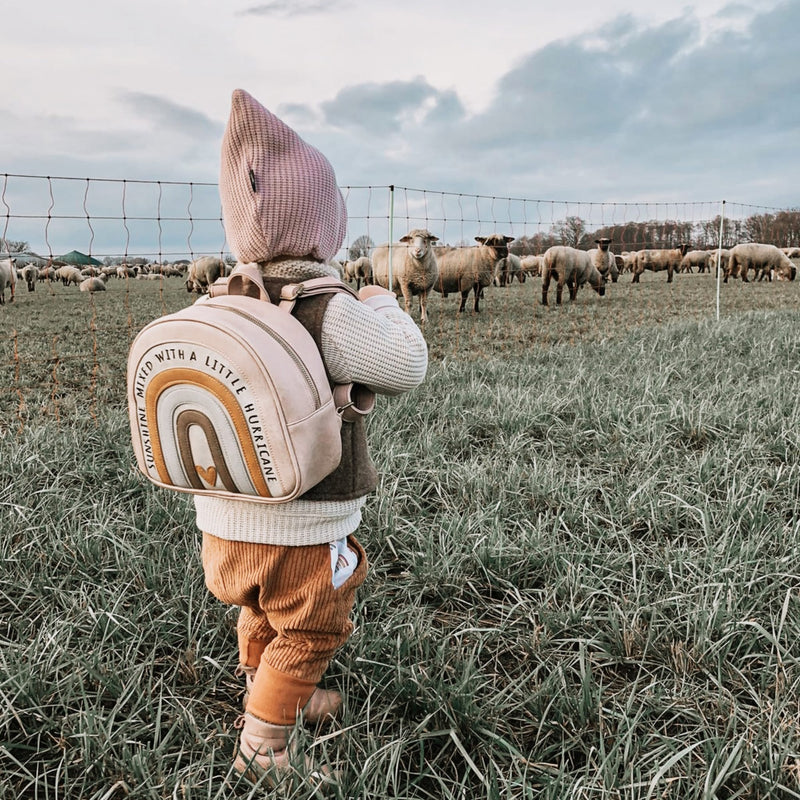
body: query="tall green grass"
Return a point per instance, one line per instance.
(584, 570)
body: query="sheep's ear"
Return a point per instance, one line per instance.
(481, 239)
(405, 238)
(432, 238)
(509, 238)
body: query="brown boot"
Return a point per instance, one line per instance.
(322, 704)
(264, 749)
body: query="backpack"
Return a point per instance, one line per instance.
(229, 397)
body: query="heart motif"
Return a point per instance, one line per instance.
(208, 475)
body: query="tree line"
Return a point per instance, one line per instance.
(781, 229)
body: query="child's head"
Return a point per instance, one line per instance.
(279, 194)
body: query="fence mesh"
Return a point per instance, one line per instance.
(65, 350)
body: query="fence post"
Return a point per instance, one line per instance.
(719, 252)
(391, 232)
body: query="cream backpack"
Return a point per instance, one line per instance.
(229, 397)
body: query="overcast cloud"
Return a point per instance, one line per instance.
(657, 101)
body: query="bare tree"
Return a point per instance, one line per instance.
(15, 246)
(572, 231)
(360, 247)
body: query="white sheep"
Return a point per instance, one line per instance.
(658, 261)
(765, 259)
(8, 278)
(604, 260)
(507, 269)
(414, 267)
(719, 255)
(530, 265)
(203, 272)
(573, 268)
(792, 252)
(358, 270)
(30, 274)
(67, 275)
(470, 269)
(695, 258)
(124, 271)
(92, 284)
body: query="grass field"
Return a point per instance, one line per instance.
(584, 561)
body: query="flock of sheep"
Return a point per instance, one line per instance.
(93, 279)
(419, 266)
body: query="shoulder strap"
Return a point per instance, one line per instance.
(352, 400)
(314, 286)
(245, 280)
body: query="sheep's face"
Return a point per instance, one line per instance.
(603, 244)
(419, 243)
(600, 288)
(786, 272)
(496, 241)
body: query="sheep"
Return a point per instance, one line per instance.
(30, 274)
(68, 275)
(572, 267)
(659, 260)
(696, 258)
(530, 265)
(604, 260)
(507, 269)
(8, 278)
(470, 269)
(124, 271)
(763, 258)
(203, 272)
(721, 255)
(358, 270)
(414, 267)
(792, 252)
(628, 261)
(92, 284)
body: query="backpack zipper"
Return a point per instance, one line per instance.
(290, 351)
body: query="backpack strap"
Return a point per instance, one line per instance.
(245, 280)
(314, 286)
(352, 400)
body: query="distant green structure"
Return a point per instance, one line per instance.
(78, 259)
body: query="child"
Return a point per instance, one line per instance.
(294, 568)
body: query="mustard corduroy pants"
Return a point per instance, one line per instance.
(291, 618)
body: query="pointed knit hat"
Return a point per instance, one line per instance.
(279, 194)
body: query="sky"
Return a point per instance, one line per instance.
(580, 100)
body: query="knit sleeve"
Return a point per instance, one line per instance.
(374, 343)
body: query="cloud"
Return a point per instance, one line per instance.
(292, 8)
(166, 115)
(392, 108)
(628, 110)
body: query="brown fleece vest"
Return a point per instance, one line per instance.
(356, 475)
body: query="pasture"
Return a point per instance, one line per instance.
(584, 561)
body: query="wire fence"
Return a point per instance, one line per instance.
(65, 352)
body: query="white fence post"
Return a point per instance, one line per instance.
(391, 232)
(719, 252)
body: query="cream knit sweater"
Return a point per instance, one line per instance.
(372, 342)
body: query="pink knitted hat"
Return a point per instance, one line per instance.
(279, 194)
